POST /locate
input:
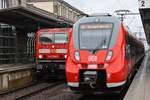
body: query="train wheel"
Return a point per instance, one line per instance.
(73, 88)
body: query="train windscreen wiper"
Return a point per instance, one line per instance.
(99, 45)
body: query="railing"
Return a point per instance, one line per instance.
(7, 44)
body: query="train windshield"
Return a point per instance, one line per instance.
(49, 38)
(95, 36)
(61, 38)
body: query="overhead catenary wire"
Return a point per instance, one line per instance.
(131, 21)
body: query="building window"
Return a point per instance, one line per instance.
(74, 17)
(19, 2)
(56, 9)
(67, 12)
(70, 15)
(59, 9)
(63, 11)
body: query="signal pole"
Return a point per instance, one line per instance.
(122, 13)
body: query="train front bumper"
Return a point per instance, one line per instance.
(109, 79)
(109, 85)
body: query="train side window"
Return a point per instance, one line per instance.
(133, 47)
(127, 48)
(128, 53)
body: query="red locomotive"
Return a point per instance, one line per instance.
(51, 51)
(102, 55)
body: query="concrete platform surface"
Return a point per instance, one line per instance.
(13, 67)
(140, 86)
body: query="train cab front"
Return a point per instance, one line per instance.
(51, 51)
(96, 56)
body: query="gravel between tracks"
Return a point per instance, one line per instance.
(58, 92)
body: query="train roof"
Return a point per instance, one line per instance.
(102, 18)
(54, 29)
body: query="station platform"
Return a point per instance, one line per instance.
(14, 76)
(140, 86)
(15, 67)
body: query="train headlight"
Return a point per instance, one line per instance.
(109, 55)
(77, 56)
(40, 56)
(65, 56)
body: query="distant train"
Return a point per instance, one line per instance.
(51, 51)
(102, 55)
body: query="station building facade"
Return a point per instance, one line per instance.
(57, 7)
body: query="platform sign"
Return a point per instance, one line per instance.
(143, 4)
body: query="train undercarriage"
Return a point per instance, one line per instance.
(50, 69)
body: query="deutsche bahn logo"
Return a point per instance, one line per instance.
(92, 58)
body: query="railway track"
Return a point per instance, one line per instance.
(27, 92)
(52, 91)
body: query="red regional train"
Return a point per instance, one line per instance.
(51, 51)
(102, 55)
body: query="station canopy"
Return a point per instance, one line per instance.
(25, 16)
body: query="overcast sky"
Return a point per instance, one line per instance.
(109, 6)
